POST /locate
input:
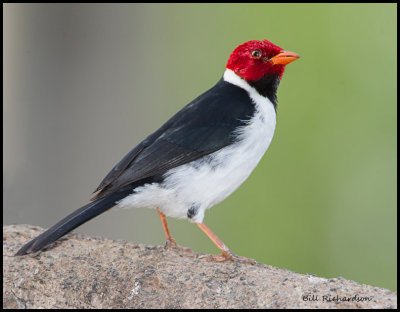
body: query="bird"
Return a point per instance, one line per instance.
(198, 157)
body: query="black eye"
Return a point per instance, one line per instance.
(256, 54)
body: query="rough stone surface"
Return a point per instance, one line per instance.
(84, 272)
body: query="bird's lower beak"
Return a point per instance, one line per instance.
(284, 57)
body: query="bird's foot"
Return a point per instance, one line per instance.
(227, 256)
(171, 244)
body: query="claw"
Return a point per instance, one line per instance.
(171, 244)
(227, 256)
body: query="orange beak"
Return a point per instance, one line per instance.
(284, 58)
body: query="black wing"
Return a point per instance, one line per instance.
(202, 127)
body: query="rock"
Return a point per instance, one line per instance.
(84, 272)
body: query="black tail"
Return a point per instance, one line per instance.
(74, 220)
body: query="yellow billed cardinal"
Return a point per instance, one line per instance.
(200, 155)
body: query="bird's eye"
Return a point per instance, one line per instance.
(256, 54)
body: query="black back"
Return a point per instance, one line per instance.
(202, 127)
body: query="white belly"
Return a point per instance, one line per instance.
(207, 181)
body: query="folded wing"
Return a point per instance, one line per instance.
(204, 126)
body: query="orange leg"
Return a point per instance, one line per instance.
(226, 253)
(164, 224)
(170, 243)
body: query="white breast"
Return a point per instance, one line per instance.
(208, 181)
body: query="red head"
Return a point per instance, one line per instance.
(254, 59)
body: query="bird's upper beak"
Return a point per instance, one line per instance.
(284, 57)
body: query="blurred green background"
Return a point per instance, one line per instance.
(84, 83)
